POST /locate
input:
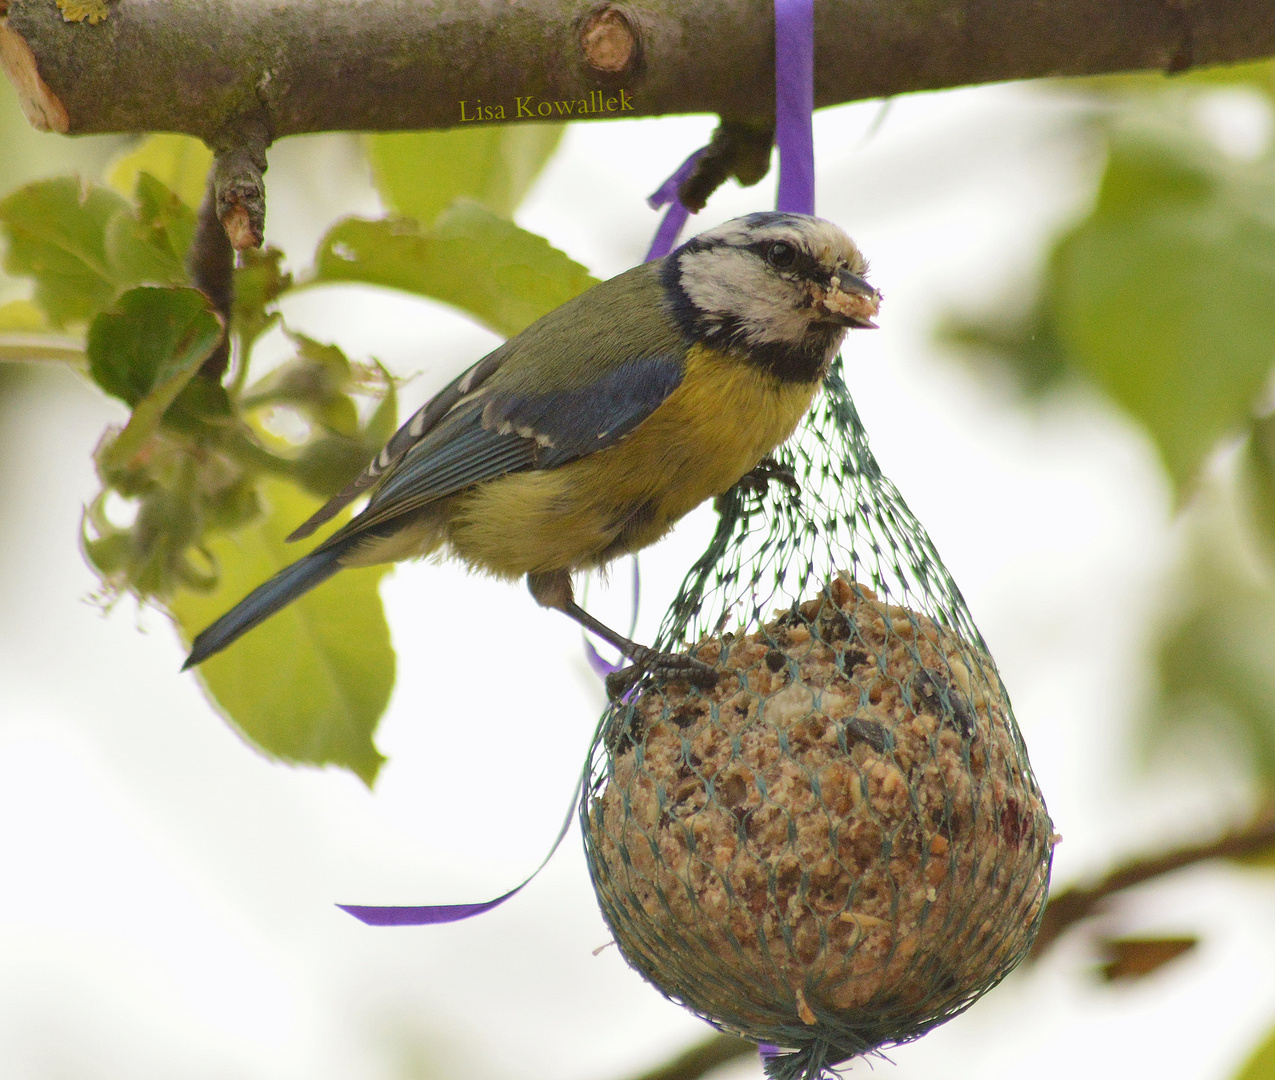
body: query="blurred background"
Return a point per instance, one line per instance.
(167, 897)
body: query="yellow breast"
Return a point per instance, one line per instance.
(723, 418)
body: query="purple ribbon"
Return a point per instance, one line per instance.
(423, 916)
(795, 104)
(794, 131)
(431, 914)
(666, 235)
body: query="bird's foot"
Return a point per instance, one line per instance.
(663, 665)
(759, 476)
(757, 480)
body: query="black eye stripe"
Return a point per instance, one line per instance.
(802, 264)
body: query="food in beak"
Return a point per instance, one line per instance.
(850, 308)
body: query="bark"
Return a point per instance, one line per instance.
(215, 68)
(1079, 903)
(703, 1058)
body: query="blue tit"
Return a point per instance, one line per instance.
(589, 434)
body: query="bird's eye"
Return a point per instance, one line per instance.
(780, 255)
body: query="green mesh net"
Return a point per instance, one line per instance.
(841, 844)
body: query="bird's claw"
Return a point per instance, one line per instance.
(757, 480)
(666, 665)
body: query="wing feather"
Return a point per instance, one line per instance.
(491, 434)
(419, 425)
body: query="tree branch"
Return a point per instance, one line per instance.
(1070, 907)
(702, 1058)
(209, 67)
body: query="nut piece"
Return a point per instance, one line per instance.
(855, 851)
(852, 305)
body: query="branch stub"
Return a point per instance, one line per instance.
(609, 43)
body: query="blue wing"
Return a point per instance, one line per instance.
(490, 432)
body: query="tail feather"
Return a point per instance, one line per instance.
(288, 584)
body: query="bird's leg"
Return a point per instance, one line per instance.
(552, 589)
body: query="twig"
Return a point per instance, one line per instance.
(737, 149)
(239, 181)
(210, 264)
(1076, 904)
(17, 348)
(702, 1058)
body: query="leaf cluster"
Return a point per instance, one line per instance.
(209, 474)
(1160, 297)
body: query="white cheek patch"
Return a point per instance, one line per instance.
(732, 282)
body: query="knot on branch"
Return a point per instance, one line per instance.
(738, 148)
(609, 44)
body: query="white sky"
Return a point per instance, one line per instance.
(167, 900)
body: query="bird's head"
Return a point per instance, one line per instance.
(771, 281)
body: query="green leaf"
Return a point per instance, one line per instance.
(420, 173)
(150, 246)
(1163, 295)
(259, 282)
(504, 276)
(1261, 1065)
(1215, 663)
(1255, 74)
(56, 233)
(22, 315)
(1026, 347)
(328, 374)
(1136, 958)
(151, 336)
(180, 162)
(384, 419)
(84, 245)
(1217, 668)
(1256, 480)
(310, 683)
(145, 351)
(25, 336)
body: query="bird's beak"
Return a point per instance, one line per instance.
(853, 283)
(850, 301)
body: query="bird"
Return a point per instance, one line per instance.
(587, 435)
